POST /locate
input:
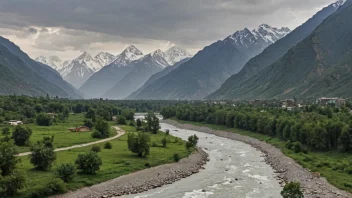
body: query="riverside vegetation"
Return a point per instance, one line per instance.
(57, 172)
(320, 139)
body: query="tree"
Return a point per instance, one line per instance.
(90, 114)
(108, 145)
(10, 184)
(193, 139)
(102, 127)
(43, 154)
(21, 135)
(88, 163)
(6, 133)
(96, 148)
(155, 125)
(88, 123)
(8, 158)
(139, 143)
(66, 172)
(44, 119)
(164, 142)
(121, 120)
(292, 190)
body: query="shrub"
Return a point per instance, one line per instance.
(96, 148)
(154, 144)
(297, 147)
(44, 119)
(10, 184)
(96, 134)
(348, 170)
(167, 132)
(139, 144)
(189, 145)
(193, 140)
(139, 123)
(55, 186)
(66, 172)
(88, 163)
(88, 123)
(21, 135)
(132, 123)
(164, 141)
(108, 145)
(288, 144)
(147, 165)
(8, 159)
(292, 190)
(121, 120)
(176, 157)
(42, 156)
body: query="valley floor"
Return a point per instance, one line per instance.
(283, 161)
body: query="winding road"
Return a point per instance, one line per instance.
(119, 133)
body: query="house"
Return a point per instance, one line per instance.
(335, 102)
(288, 103)
(79, 129)
(257, 102)
(15, 122)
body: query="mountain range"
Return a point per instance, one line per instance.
(210, 67)
(247, 84)
(19, 74)
(130, 63)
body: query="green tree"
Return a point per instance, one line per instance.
(139, 123)
(44, 119)
(164, 141)
(88, 163)
(121, 120)
(193, 139)
(8, 158)
(292, 190)
(139, 143)
(10, 184)
(102, 127)
(66, 172)
(43, 154)
(88, 123)
(21, 135)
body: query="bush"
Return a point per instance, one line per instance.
(288, 144)
(42, 155)
(348, 170)
(121, 120)
(96, 134)
(88, 163)
(192, 141)
(139, 144)
(176, 157)
(44, 119)
(108, 145)
(21, 135)
(167, 132)
(154, 144)
(164, 141)
(66, 172)
(297, 147)
(10, 184)
(55, 186)
(96, 148)
(292, 190)
(88, 123)
(8, 159)
(189, 145)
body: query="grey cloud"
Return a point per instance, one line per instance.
(191, 23)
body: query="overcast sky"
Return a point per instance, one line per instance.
(68, 27)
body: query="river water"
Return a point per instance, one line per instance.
(235, 170)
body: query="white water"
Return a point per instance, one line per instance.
(235, 170)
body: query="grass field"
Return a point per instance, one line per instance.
(330, 165)
(63, 137)
(116, 162)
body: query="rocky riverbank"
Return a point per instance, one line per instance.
(288, 170)
(144, 180)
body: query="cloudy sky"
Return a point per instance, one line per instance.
(68, 27)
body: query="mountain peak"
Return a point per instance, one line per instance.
(104, 58)
(176, 54)
(132, 50)
(339, 3)
(85, 56)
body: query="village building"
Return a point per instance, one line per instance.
(335, 102)
(257, 102)
(79, 129)
(15, 122)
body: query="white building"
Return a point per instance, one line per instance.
(15, 122)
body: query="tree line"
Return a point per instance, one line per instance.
(320, 128)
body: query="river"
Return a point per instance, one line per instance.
(235, 170)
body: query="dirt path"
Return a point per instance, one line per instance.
(119, 133)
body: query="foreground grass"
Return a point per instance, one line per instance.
(116, 162)
(330, 164)
(62, 136)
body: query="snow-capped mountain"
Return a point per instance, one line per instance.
(104, 58)
(89, 61)
(264, 35)
(52, 61)
(176, 54)
(107, 77)
(339, 3)
(131, 53)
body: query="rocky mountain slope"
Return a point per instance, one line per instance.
(273, 53)
(318, 66)
(209, 68)
(19, 74)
